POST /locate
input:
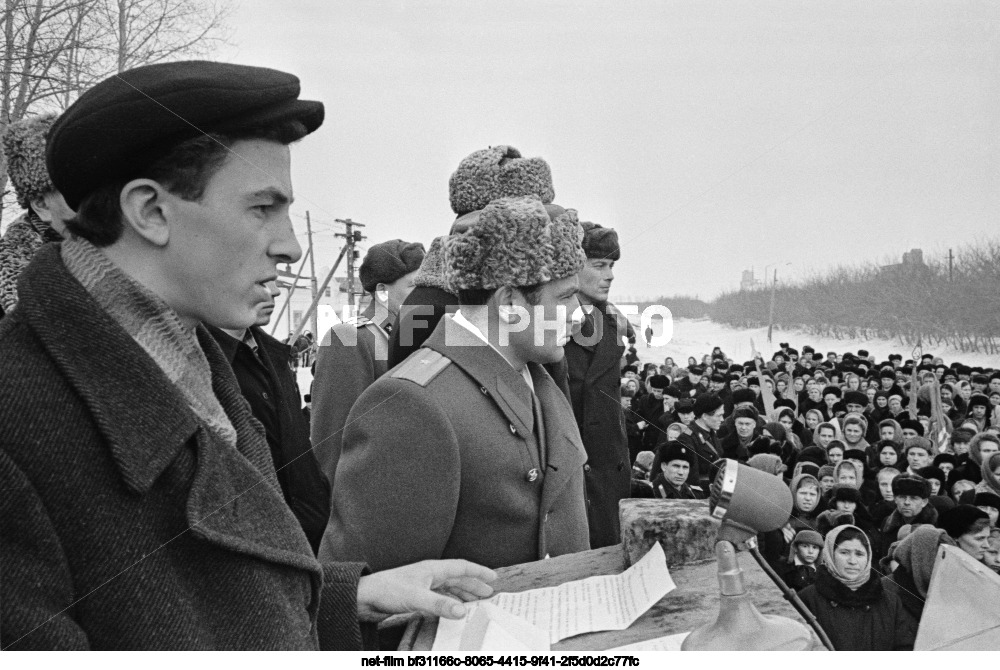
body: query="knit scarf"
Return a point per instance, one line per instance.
(155, 327)
(830, 543)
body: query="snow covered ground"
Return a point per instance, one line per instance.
(696, 337)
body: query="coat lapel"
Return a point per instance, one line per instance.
(608, 351)
(563, 445)
(234, 500)
(490, 370)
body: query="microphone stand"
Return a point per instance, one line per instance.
(790, 595)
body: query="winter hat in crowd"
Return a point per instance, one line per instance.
(845, 493)
(918, 442)
(805, 468)
(386, 262)
(856, 455)
(906, 484)
(431, 273)
(959, 520)
(768, 463)
(673, 450)
(987, 499)
(24, 150)
(684, 406)
(917, 552)
(833, 518)
(745, 413)
(742, 395)
(979, 399)
(600, 242)
(825, 470)
(805, 536)
(514, 243)
(933, 472)
(498, 172)
(659, 382)
(855, 398)
(707, 403)
(814, 455)
(119, 127)
(912, 424)
(672, 391)
(945, 458)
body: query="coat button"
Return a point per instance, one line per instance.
(532, 474)
(513, 430)
(483, 389)
(545, 519)
(265, 396)
(586, 468)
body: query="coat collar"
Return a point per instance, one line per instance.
(490, 370)
(234, 499)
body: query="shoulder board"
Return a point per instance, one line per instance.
(357, 321)
(421, 367)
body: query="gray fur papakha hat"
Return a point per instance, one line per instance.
(600, 242)
(24, 151)
(498, 172)
(514, 243)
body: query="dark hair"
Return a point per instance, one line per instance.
(977, 526)
(480, 296)
(849, 534)
(183, 169)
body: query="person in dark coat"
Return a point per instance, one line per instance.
(915, 555)
(848, 599)
(593, 360)
(141, 509)
(480, 177)
(354, 354)
(801, 567)
(676, 460)
(911, 494)
(475, 441)
(708, 417)
(261, 366)
(736, 444)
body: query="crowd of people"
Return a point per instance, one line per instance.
(885, 461)
(164, 487)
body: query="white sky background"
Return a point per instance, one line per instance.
(714, 136)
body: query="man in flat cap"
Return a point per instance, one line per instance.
(593, 369)
(141, 508)
(44, 208)
(355, 353)
(474, 444)
(481, 177)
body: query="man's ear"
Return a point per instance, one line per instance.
(145, 209)
(41, 208)
(504, 296)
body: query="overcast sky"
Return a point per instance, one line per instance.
(713, 135)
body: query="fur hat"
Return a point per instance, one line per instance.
(980, 399)
(987, 499)
(431, 273)
(913, 425)
(919, 443)
(745, 413)
(932, 472)
(855, 398)
(743, 395)
(846, 493)
(659, 382)
(24, 151)
(673, 450)
(672, 391)
(832, 518)
(498, 172)
(386, 262)
(707, 403)
(514, 243)
(813, 455)
(600, 242)
(958, 520)
(906, 484)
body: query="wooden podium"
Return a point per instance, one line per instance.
(693, 603)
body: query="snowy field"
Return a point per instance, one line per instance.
(696, 337)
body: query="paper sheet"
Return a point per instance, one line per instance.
(668, 643)
(486, 627)
(607, 602)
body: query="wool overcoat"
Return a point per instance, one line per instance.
(594, 373)
(351, 356)
(442, 459)
(123, 523)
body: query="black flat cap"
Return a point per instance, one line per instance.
(120, 125)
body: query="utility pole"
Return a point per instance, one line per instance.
(353, 237)
(770, 318)
(312, 278)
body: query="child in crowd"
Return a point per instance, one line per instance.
(803, 559)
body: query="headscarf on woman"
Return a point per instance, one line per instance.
(990, 483)
(829, 548)
(844, 465)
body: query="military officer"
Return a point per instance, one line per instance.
(675, 461)
(469, 448)
(355, 353)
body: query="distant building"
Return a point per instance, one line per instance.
(748, 283)
(330, 311)
(913, 263)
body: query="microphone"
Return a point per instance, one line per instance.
(748, 502)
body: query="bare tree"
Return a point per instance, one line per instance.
(55, 49)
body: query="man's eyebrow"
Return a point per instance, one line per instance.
(279, 197)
